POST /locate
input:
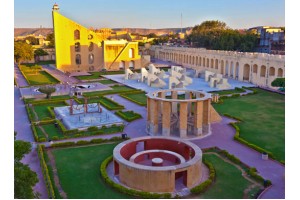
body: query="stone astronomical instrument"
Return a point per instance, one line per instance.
(180, 112)
(157, 164)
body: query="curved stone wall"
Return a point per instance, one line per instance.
(143, 174)
(188, 116)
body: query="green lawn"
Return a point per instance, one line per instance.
(107, 82)
(79, 172)
(42, 111)
(138, 97)
(229, 184)
(115, 90)
(226, 92)
(51, 130)
(37, 76)
(128, 115)
(96, 75)
(263, 116)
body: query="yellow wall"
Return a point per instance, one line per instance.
(107, 57)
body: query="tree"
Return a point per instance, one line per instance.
(47, 90)
(32, 40)
(22, 51)
(278, 82)
(24, 177)
(39, 52)
(50, 37)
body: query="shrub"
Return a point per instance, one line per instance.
(82, 142)
(230, 157)
(63, 144)
(93, 128)
(55, 138)
(99, 140)
(42, 139)
(203, 186)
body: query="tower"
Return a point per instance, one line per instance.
(55, 7)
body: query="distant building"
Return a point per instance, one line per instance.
(271, 39)
(81, 49)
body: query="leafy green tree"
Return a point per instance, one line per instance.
(152, 35)
(22, 51)
(278, 82)
(50, 37)
(47, 90)
(216, 35)
(24, 177)
(38, 53)
(32, 40)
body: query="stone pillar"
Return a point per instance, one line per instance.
(206, 117)
(85, 105)
(174, 104)
(166, 118)
(183, 119)
(198, 117)
(153, 117)
(189, 95)
(71, 106)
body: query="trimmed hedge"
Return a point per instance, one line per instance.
(43, 102)
(252, 89)
(133, 100)
(202, 187)
(233, 117)
(120, 188)
(30, 114)
(129, 119)
(84, 142)
(241, 140)
(45, 170)
(103, 102)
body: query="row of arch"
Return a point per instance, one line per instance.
(227, 68)
(77, 35)
(78, 46)
(90, 59)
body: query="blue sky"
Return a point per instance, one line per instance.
(151, 13)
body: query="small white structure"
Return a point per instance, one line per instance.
(175, 83)
(216, 80)
(130, 75)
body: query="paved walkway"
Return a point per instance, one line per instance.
(20, 79)
(60, 75)
(222, 137)
(22, 127)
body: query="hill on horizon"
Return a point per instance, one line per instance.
(141, 31)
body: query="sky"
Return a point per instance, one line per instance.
(236, 14)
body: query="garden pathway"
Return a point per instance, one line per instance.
(22, 127)
(222, 137)
(60, 75)
(20, 79)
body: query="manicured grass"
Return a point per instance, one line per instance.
(115, 90)
(128, 115)
(263, 116)
(229, 183)
(51, 130)
(79, 174)
(42, 111)
(37, 76)
(137, 97)
(107, 82)
(96, 75)
(110, 104)
(226, 92)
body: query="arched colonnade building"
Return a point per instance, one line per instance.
(257, 68)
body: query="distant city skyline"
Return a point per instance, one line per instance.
(237, 14)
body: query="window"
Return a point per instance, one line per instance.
(76, 35)
(91, 58)
(77, 47)
(91, 46)
(90, 36)
(131, 53)
(78, 59)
